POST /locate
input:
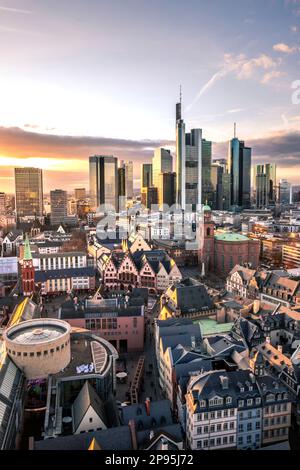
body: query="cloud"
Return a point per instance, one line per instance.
(271, 75)
(285, 48)
(242, 68)
(63, 153)
(294, 29)
(15, 10)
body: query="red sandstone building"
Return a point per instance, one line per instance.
(220, 252)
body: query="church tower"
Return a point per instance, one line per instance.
(206, 240)
(28, 286)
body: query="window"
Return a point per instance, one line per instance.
(249, 439)
(31, 354)
(225, 440)
(205, 443)
(91, 420)
(249, 427)
(231, 439)
(206, 429)
(212, 442)
(257, 425)
(231, 412)
(215, 401)
(199, 444)
(240, 440)
(228, 400)
(225, 426)
(231, 426)
(212, 428)
(199, 417)
(249, 402)
(241, 403)
(219, 414)
(241, 428)
(225, 413)
(205, 416)
(199, 430)
(219, 427)
(202, 403)
(258, 401)
(219, 441)
(212, 415)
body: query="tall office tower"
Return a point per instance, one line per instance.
(207, 189)
(226, 191)
(285, 192)
(29, 192)
(239, 162)
(2, 203)
(129, 179)
(103, 181)
(162, 162)
(167, 189)
(80, 194)
(188, 164)
(271, 172)
(264, 184)
(149, 196)
(59, 206)
(122, 186)
(261, 191)
(217, 172)
(146, 175)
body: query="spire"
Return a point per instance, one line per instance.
(234, 131)
(27, 251)
(180, 94)
(94, 445)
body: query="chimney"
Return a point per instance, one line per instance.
(252, 378)
(279, 347)
(268, 340)
(131, 425)
(147, 404)
(224, 382)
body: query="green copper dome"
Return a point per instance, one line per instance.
(231, 237)
(206, 208)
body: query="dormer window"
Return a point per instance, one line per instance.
(202, 403)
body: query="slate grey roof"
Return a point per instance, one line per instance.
(43, 276)
(160, 415)
(117, 438)
(191, 297)
(87, 397)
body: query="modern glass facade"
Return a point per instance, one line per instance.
(146, 176)
(103, 171)
(162, 162)
(29, 192)
(59, 206)
(239, 161)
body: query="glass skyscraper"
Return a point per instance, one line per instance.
(103, 170)
(239, 162)
(29, 192)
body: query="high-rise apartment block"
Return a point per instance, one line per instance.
(239, 160)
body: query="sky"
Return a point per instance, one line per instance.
(79, 77)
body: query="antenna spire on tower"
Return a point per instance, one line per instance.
(180, 94)
(235, 130)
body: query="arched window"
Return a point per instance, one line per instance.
(208, 231)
